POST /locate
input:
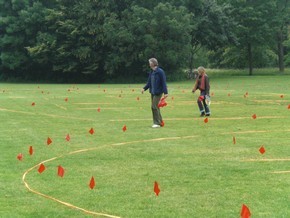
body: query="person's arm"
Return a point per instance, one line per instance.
(164, 86)
(147, 84)
(195, 85)
(207, 86)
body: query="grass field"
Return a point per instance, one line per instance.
(200, 171)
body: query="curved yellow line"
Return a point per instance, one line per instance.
(85, 150)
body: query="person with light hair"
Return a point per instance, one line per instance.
(156, 84)
(202, 83)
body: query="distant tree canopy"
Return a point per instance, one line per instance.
(97, 41)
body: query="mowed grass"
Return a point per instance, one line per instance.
(200, 171)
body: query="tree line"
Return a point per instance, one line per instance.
(97, 41)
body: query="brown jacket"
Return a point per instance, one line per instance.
(202, 83)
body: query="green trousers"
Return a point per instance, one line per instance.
(157, 118)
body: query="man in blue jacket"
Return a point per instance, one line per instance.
(157, 86)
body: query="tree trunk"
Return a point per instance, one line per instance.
(250, 59)
(281, 52)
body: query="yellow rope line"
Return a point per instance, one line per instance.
(85, 150)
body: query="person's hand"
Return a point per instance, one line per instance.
(165, 96)
(142, 91)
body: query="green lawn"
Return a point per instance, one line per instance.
(200, 171)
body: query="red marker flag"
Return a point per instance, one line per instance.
(162, 123)
(162, 102)
(49, 141)
(288, 106)
(99, 110)
(138, 98)
(67, 137)
(262, 150)
(234, 140)
(124, 128)
(31, 150)
(60, 171)
(201, 98)
(254, 116)
(66, 99)
(33, 104)
(92, 131)
(20, 156)
(205, 120)
(92, 183)
(41, 168)
(156, 188)
(245, 212)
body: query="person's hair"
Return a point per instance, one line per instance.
(200, 69)
(153, 61)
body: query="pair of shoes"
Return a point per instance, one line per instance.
(155, 126)
(202, 114)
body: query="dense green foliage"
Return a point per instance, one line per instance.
(89, 40)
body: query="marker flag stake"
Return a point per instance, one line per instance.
(49, 141)
(92, 131)
(20, 156)
(67, 137)
(156, 188)
(92, 183)
(245, 212)
(41, 168)
(60, 171)
(31, 150)
(262, 150)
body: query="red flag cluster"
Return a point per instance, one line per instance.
(162, 102)
(200, 98)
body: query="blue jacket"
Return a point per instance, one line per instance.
(156, 82)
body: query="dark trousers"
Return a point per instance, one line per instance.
(157, 118)
(203, 107)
